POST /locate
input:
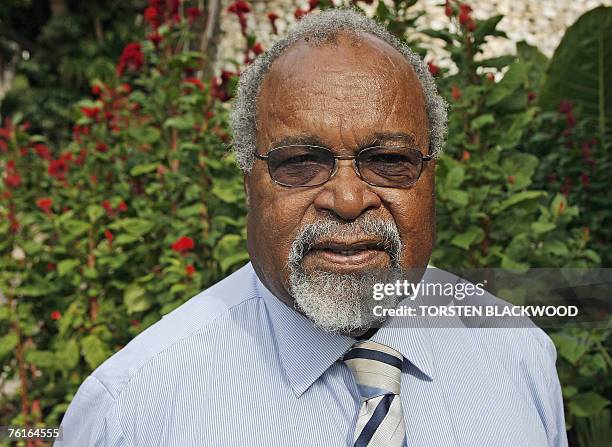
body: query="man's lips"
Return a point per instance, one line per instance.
(348, 253)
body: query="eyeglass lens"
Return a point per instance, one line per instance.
(304, 165)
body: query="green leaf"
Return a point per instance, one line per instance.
(439, 34)
(459, 198)
(516, 199)
(68, 355)
(143, 169)
(482, 121)
(144, 134)
(76, 228)
(542, 227)
(136, 227)
(498, 62)
(124, 239)
(537, 61)
(94, 351)
(180, 122)
(94, 212)
(454, 177)
(471, 236)
(42, 359)
(8, 343)
(230, 250)
(67, 266)
(587, 404)
(189, 211)
(229, 191)
(486, 28)
(556, 248)
(580, 71)
(134, 298)
(512, 80)
(36, 289)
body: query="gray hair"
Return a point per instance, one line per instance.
(318, 28)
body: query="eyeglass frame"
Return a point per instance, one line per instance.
(424, 158)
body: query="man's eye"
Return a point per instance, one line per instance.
(389, 158)
(299, 159)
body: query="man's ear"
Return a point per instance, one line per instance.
(245, 182)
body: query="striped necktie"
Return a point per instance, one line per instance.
(377, 370)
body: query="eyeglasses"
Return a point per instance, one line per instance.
(300, 165)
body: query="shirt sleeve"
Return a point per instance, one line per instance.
(91, 419)
(557, 437)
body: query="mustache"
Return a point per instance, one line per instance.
(384, 231)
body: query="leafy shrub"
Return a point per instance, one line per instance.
(143, 208)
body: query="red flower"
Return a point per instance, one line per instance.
(3, 146)
(464, 8)
(490, 77)
(96, 90)
(45, 203)
(257, 48)
(56, 315)
(272, 17)
(183, 243)
(12, 180)
(90, 112)
(51, 266)
(584, 178)
(108, 207)
(220, 87)
(299, 13)
(152, 16)
(448, 10)
(239, 7)
(155, 38)
(456, 92)
(511, 179)
(126, 88)
(433, 69)
(131, 58)
(313, 4)
(109, 237)
(194, 81)
(531, 96)
(190, 270)
(465, 18)
(122, 207)
(565, 107)
(101, 147)
(466, 156)
(570, 120)
(58, 168)
(193, 13)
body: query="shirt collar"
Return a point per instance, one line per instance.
(307, 351)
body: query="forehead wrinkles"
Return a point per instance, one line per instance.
(326, 90)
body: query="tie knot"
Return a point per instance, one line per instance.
(377, 368)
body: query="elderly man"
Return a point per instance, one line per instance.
(336, 128)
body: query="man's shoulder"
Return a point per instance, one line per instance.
(183, 326)
(517, 337)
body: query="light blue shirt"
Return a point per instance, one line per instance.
(234, 366)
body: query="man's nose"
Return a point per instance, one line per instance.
(346, 194)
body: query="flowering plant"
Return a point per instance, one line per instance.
(139, 211)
